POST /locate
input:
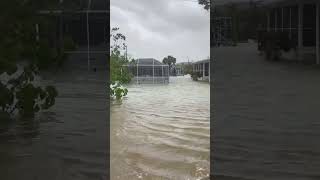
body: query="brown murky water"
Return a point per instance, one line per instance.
(162, 131)
(266, 117)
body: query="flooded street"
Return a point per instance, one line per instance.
(162, 131)
(69, 141)
(266, 123)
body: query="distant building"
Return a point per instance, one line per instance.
(203, 68)
(148, 70)
(221, 31)
(299, 19)
(179, 71)
(86, 23)
(181, 68)
(173, 70)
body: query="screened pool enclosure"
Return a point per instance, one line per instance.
(83, 22)
(149, 71)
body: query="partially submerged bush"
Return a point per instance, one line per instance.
(117, 90)
(195, 76)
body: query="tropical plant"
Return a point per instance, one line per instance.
(170, 60)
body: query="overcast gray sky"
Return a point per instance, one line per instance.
(158, 28)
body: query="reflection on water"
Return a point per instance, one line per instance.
(64, 143)
(266, 117)
(162, 131)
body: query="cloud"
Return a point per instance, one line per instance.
(158, 28)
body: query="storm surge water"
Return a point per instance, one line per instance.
(162, 131)
(266, 117)
(68, 141)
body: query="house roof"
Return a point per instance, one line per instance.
(148, 61)
(182, 63)
(202, 61)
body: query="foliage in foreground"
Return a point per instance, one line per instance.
(20, 45)
(117, 90)
(19, 95)
(118, 74)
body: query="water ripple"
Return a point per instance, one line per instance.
(162, 131)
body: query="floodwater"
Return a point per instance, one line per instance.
(162, 131)
(66, 142)
(266, 117)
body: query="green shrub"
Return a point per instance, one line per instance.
(118, 91)
(195, 76)
(119, 75)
